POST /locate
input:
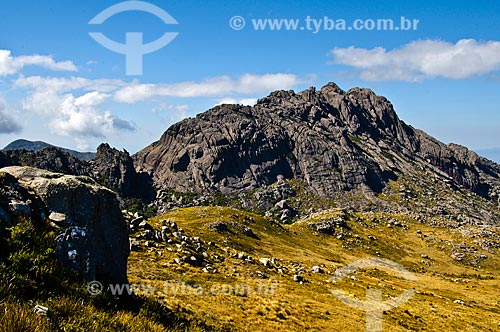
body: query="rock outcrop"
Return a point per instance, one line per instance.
(93, 236)
(115, 169)
(330, 139)
(50, 158)
(110, 167)
(22, 144)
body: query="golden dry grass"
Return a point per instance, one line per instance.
(311, 306)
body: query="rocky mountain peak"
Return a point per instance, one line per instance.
(276, 98)
(330, 139)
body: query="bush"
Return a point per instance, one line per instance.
(137, 205)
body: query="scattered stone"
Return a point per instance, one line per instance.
(316, 269)
(218, 226)
(45, 312)
(173, 225)
(193, 260)
(328, 226)
(282, 205)
(458, 256)
(248, 232)
(144, 225)
(298, 278)
(135, 245)
(57, 218)
(136, 221)
(265, 261)
(164, 233)
(20, 208)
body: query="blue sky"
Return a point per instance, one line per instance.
(59, 85)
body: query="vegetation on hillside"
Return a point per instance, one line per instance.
(456, 267)
(30, 275)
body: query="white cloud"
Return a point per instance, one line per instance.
(10, 65)
(82, 144)
(244, 101)
(74, 106)
(120, 124)
(212, 87)
(171, 113)
(48, 92)
(8, 125)
(61, 84)
(80, 118)
(169, 108)
(93, 98)
(423, 59)
(69, 114)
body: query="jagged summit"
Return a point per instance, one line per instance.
(330, 139)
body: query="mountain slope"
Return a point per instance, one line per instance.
(251, 282)
(330, 139)
(39, 145)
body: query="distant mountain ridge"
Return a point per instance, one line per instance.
(39, 145)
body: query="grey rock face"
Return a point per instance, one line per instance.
(49, 158)
(22, 144)
(94, 240)
(16, 201)
(5, 220)
(110, 167)
(114, 169)
(330, 139)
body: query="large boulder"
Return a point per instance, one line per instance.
(17, 202)
(94, 236)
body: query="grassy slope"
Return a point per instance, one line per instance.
(311, 306)
(29, 276)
